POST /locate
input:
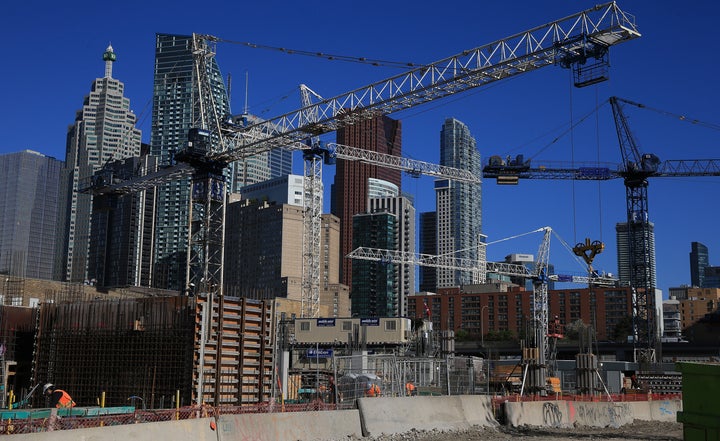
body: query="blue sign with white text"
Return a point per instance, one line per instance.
(319, 353)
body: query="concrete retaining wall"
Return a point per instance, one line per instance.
(592, 414)
(182, 430)
(393, 415)
(289, 426)
(375, 416)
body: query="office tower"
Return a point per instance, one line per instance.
(627, 245)
(263, 257)
(427, 240)
(458, 204)
(374, 290)
(404, 213)
(699, 260)
(350, 187)
(122, 228)
(263, 250)
(28, 214)
(104, 129)
(174, 108)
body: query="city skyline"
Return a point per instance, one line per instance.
(520, 116)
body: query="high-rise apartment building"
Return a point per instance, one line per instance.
(121, 239)
(350, 187)
(28, 214)
(174, 111)
(627, 245)
(374, 291)
(699, 260)
(427, 242)
(104, 129)
(458, 204)
(404, 212)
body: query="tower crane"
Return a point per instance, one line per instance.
(635, 171)
(579, 41)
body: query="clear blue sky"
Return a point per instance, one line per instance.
(53, 53)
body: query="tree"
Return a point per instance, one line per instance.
(622, 330)
(574, 330)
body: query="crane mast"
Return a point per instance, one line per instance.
(313, 158)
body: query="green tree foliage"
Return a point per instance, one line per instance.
(622, 330)
(504, 335)
(575, 329)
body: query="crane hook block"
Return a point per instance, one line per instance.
(588, 250)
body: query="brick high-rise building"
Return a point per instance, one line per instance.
(350, 187)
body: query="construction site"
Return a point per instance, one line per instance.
(150, 355)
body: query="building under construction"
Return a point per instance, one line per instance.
(162, 351)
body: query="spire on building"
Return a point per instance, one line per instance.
(109, 58)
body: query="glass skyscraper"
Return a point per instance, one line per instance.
(28, 214)
(103, 129)
(174, 113)
(458, 204)
(374, 292)
(699, 260)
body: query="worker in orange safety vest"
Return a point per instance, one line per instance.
(373, 390)
(410, 389)
(58, 397)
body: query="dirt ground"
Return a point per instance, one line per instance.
(639, 430)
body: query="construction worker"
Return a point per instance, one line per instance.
(410, 389)
(373, 390)
(58, 397)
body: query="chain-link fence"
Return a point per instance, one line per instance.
(357, 376)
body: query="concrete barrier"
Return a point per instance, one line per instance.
(183, 430)
(392, 415)
(592, 414)
(665, 410)
(535, 413)
(289, 426)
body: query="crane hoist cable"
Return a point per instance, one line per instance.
(332, 57)
(684, 118)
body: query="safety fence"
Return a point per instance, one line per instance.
(388, 375)
(46, 420)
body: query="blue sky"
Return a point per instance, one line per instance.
(53, 53)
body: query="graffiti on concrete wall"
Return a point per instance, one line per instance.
(610, 414)
(552, 415)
